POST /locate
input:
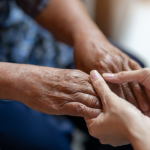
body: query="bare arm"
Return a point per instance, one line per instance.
(69, 22)
(49, 90)
(67, 19)
(140, 138)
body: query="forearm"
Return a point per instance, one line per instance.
(68, 20)
(141, 144)
(8, 83)
(17, 81)
(140, 136)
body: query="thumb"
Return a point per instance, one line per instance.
(100, 86)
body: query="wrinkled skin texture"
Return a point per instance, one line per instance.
(57, 91)
(95, 52)
(118, 120)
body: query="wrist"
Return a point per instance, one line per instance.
(140, 133)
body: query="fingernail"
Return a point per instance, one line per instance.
(94, 75)
(145, 107)
(108, 75)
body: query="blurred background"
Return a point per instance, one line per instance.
(127, 22)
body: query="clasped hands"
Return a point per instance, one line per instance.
(119, 122)
(69, 92)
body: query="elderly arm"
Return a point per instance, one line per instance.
(49, 90)
(70, 23)
(67, 19)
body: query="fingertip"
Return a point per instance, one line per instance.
(94, 75)
(108, 75)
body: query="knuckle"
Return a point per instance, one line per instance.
(80, 109)
(95, 102)
(134, 85)
(78, 71)
(126, 89)
(121, 75)
(103, 65)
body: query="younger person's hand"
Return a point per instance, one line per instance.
(142, 76)
(118, 120)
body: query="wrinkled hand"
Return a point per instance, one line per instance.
(58, 91)
(95, 52)
(118, 121)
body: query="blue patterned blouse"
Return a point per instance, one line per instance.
(22, 40)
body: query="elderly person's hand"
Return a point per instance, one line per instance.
(71, 24)
(95, 52)
(119, 122)
(50, 90)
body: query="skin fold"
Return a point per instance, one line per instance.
(120, 122)
(56, 91)
(49, 90)
(70, 23)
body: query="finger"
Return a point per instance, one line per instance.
(133, 76)
(78, 109)
(129, 95)
(100, 86)
(128, 90)
(80, 81)
(141, 96)
(148, 95)
(117, 89)
(134, 65)
(71, 88)
(121, 77)
(142, 76)
(138, 90)
(88, 100)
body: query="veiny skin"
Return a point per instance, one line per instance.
(69, 22)
(106, 58)
(50, 90)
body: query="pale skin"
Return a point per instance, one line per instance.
(119, 122)
(69, 22)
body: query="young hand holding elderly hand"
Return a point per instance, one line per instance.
(120, 122)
